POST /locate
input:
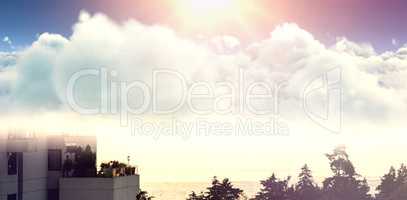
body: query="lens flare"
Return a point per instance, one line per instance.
(210, 13)
(210, 6)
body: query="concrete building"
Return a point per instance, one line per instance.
(31, 169)
(115, 188)
(23, 167)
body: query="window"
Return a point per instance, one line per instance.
(53, 194)
(12, 163)
(12, 197)
(54, 160)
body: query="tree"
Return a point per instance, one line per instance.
(401, 175)
(143, 195)
(223, 190)
(194, 196)
(219, 190)
(345, 184)
(306, 188)
(399, 194)
(84, 161)
(388, 185)
(115, 168)
(393, 185)
(340, 163)
(275, 189)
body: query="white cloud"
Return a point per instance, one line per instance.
(35, 85)
(7, 59)
(374, 85)
(225, 44)
(7, 40)
(363, 50)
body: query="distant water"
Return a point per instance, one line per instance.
(179, 191)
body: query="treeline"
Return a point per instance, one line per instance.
(344, 184)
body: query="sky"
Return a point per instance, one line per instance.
(145, 76)
(373, 21)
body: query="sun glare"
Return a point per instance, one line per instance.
(209, 12)
(210, 6)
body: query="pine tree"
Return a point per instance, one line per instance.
(223, 190)
(401, 175)
(219, 191)
(393, 185)
(275, 189)
(345, 184)
(306, 188)
(388, 185)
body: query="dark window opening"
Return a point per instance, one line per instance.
(53, 194)
(54, 160)
(12, 197)
(12, 163)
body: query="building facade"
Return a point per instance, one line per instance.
(115, 188)
(31, 165)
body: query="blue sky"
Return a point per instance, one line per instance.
(373, 21)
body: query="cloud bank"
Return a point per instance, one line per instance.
(36, 78)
